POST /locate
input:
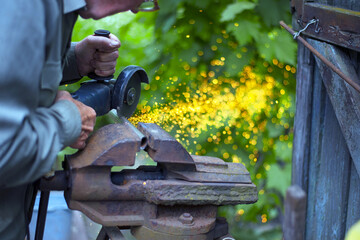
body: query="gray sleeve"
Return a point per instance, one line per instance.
(30, 136)
(70, 71)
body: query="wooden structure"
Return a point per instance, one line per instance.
(326, 152)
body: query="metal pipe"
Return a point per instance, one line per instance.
(40, 224)
(58, 182)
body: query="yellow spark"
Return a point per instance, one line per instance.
(240, 212)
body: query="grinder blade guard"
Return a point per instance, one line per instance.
(127, 90)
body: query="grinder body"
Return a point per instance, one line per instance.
(95, 94)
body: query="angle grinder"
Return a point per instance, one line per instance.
(122, 94)
(105, 93)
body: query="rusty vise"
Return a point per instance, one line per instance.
(176, 199)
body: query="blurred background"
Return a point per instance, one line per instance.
(222, 82)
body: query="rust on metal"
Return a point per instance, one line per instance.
(58, 182)
(113, 213)
(165, 192)
(207, 229)
(171, 192)
(187, 220)
(211, 169)
(162, 147)
(112, 209)
(112, 145)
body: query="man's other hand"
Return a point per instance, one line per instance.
(88, 118)
(97, 54)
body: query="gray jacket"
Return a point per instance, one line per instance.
(34, 47)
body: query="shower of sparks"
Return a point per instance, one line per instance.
(218, 111)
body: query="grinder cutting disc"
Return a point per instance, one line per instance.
(127, 90)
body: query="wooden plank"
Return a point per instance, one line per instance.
(302, 123)
(353, 214)
(347, 4)
(344, 98)
(317, 131)
(295, 211)
(353, 209)
(336, 25)
(332, 182)
(296, 8)
(328, 173)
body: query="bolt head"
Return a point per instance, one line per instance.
(186, 219)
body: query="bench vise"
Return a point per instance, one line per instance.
(176, 199)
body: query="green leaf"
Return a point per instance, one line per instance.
(168, 6)
(277, 44)
(244, 30)
(272, 11)
(279, 178)
(233, 9)
(283, 151)
(164, 22)
(199, 4)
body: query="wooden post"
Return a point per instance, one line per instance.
(295, 213)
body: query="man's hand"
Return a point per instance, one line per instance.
(97, 54)
(88, 118)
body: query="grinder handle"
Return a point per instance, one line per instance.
(93, 75)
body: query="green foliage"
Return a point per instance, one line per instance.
(279, 178)
(273, 11)
(272, 44)
(235, 8)
(210, 55)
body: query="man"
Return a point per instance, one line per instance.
(37, 120)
